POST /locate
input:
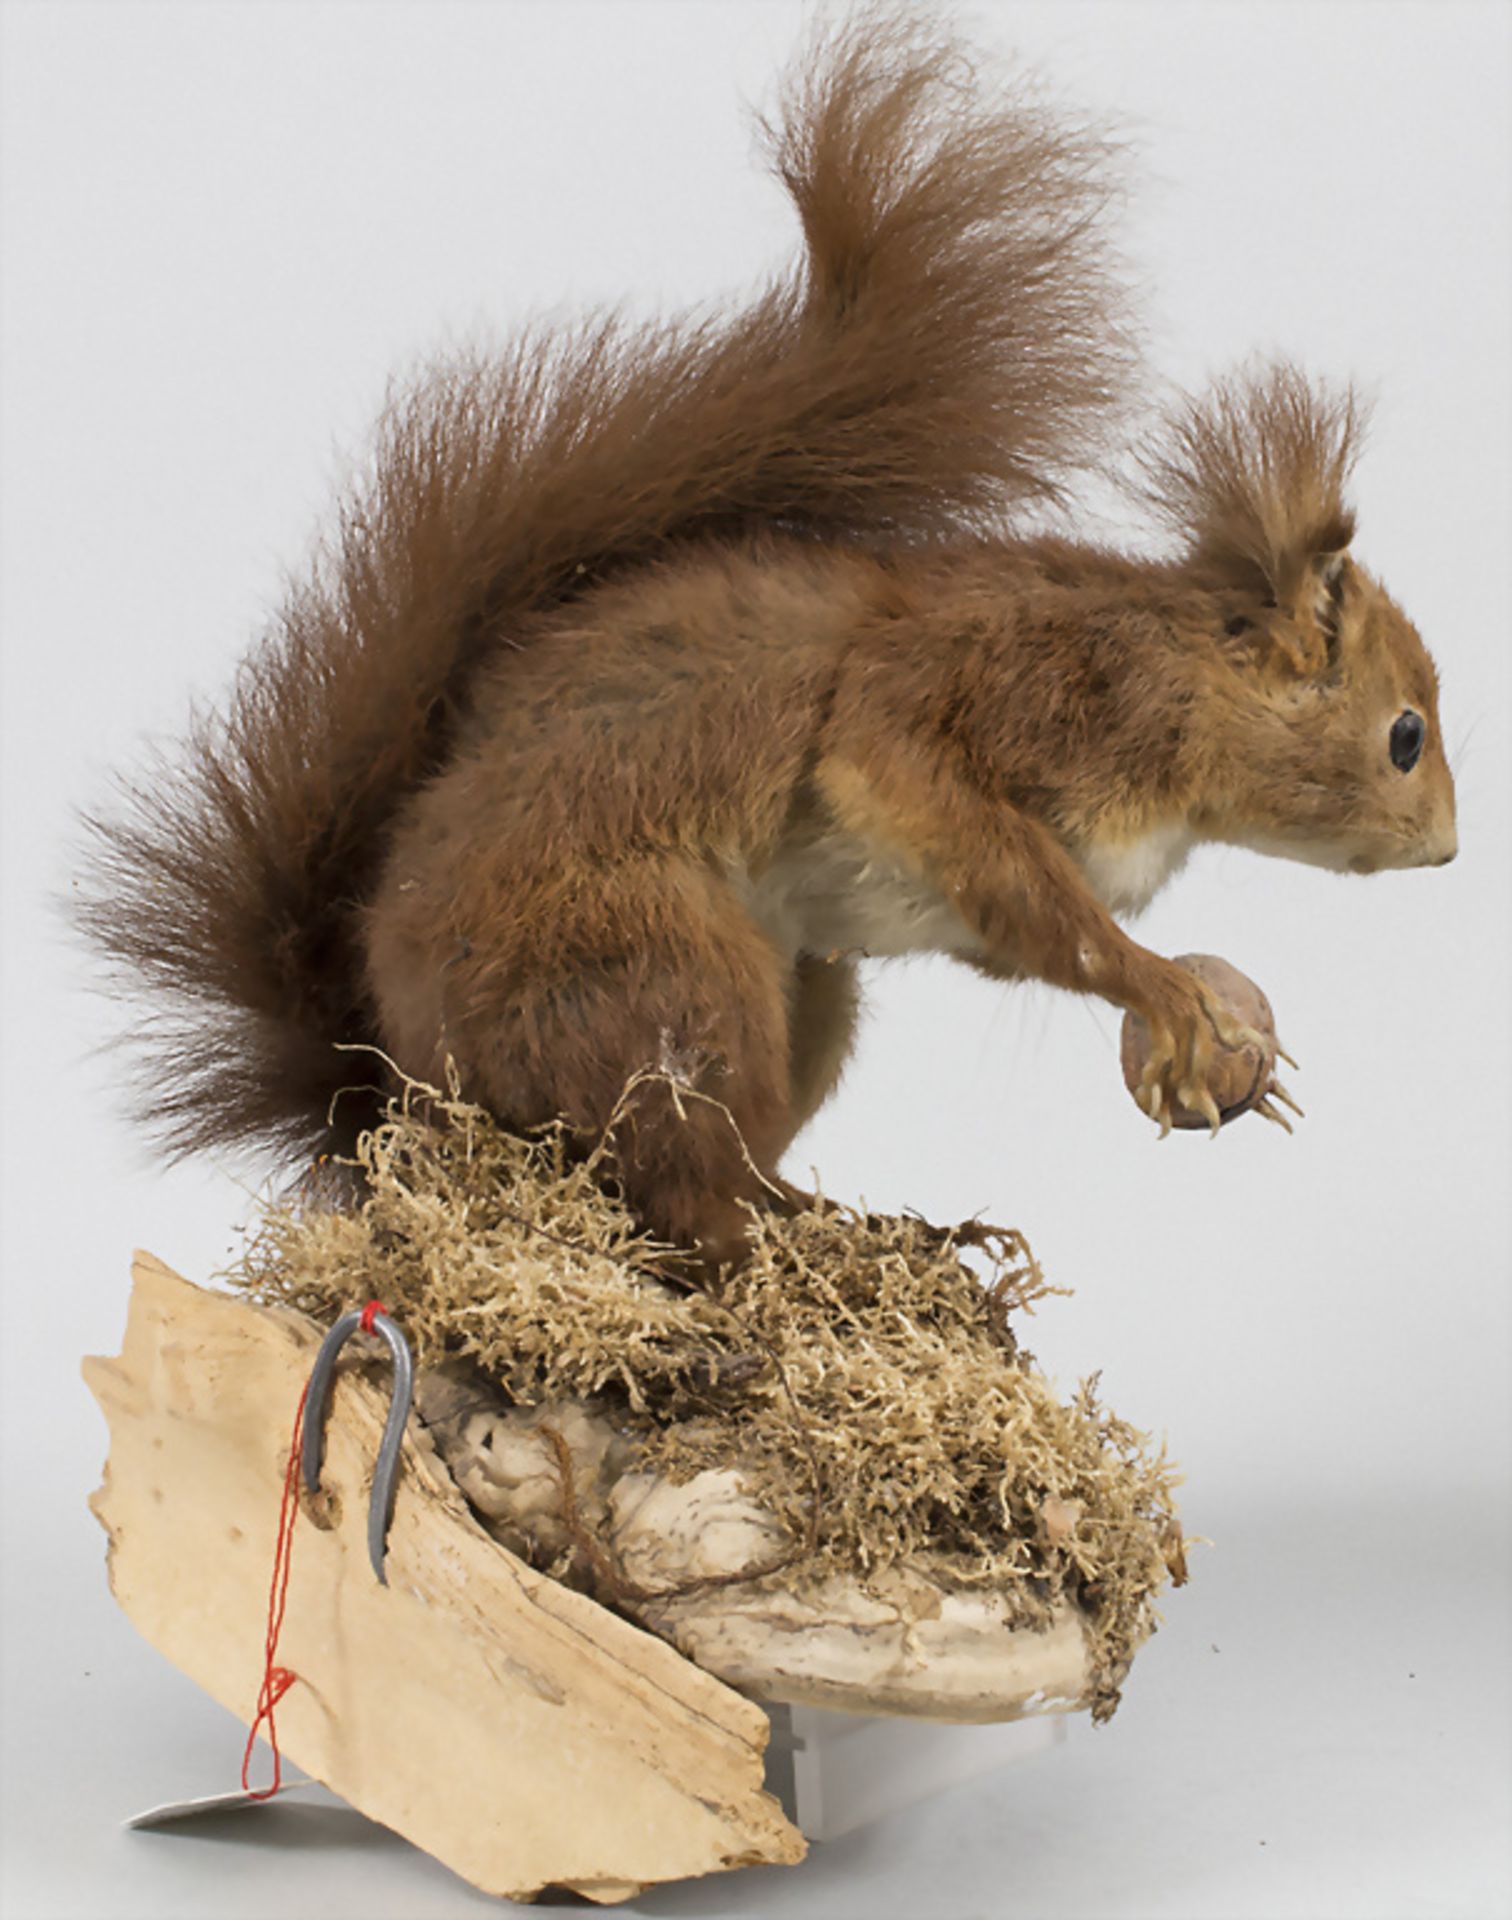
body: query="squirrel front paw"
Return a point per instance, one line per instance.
(1203, 1049)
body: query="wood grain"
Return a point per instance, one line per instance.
(516, 1730)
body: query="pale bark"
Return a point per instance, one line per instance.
(516, 1730)
(896, 1643)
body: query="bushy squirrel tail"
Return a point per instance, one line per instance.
(949, 349)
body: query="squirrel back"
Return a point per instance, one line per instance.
(950, 349)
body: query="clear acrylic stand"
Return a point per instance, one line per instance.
(834, 1772)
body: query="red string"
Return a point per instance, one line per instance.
(277, 1680)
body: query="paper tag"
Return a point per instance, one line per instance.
(172, 1810)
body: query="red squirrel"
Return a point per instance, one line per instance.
(651, 674)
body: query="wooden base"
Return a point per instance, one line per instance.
(518, 1731)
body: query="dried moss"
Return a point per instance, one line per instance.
(864, 1376)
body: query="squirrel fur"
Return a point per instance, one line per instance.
(652, 674)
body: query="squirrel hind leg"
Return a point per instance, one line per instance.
(653, 1013)
(683, 1164)
(692, 1168)
(680, 1172)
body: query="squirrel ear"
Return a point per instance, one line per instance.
(1304, 634)
(1253, 475)
(1331, 575)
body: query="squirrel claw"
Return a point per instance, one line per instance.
(1197, 1099)
(1151, 1094)
(1282, 1054)
(1267, 1112)
(1276, 1091)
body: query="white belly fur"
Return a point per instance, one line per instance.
(831, 893)
(1127, 874)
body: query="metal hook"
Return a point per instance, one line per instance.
(374, 1319)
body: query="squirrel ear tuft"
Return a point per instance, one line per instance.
(1252, 476)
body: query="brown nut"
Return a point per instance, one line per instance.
(1238, 1078)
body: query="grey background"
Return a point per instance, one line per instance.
(224, 225)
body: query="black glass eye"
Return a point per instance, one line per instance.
(1407, 736)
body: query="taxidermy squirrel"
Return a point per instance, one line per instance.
(654, 673)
